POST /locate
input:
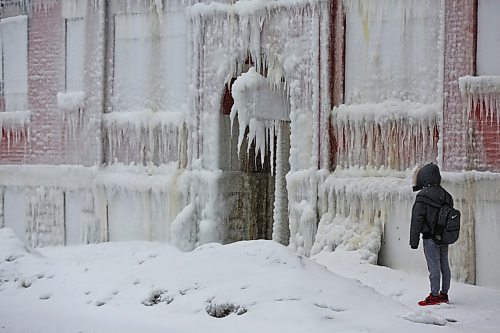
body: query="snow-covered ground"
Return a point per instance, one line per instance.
(254, 286)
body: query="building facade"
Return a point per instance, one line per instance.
(191, 122)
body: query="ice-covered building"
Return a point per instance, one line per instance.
(216, 121)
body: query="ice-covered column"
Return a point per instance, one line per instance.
(307, 76)
(281, 231)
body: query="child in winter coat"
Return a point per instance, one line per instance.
(430, 198)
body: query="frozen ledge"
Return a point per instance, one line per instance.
(247, 8)
(66, 176)
(140, 179)
(143, 118)
(15, 119)
(71, 101)
(392, 185)
(382, 188)
(479, 84)
(386, 112)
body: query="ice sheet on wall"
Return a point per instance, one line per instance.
(488, 37)
(14, 32)
(150, 66)
(354, 211)
(148, 203)
(45, 223)
(75, 54)
(150, 90)
(393, 50)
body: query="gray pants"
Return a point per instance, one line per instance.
(438, 265)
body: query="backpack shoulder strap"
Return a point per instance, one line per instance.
(425, 200)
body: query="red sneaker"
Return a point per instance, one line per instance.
(430, 300)
(443, 297)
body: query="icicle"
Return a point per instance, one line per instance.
(483, 93)
(133, 136)
(395, 124)
(15, 124)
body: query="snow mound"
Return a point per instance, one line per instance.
(425, 317)
(248, 282)
(11, 247)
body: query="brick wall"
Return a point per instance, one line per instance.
(51, 139)
(459, 60)
(471, 134)
(45, 79)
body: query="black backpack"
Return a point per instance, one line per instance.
(447, 226)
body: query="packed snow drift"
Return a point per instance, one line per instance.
(245, 286)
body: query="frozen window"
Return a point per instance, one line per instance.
(133, 43)
(2, 102)
(488, 38)
(75, 54)
(14, 56)
(149, 61)
(392, 51)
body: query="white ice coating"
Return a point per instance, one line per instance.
(393, 49)
(14, 57)
(355, 211)
(144, 137)
(285, 40)
(45, 216)
(481, 93)
(488, 38)
(391, 134)
(71, 101)
(73, 8)
(389, 124)
(159, 203)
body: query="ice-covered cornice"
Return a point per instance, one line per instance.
(479, 84)
(15, 119)
(387, 111)
(246, 7)
(143, 118)
(68, 176)
(481, 94)
(393, 134)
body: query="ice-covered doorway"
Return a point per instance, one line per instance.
(253, 156)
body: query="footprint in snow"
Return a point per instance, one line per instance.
(45, 296)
